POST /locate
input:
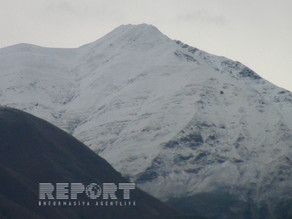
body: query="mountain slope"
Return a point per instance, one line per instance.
(176, 119)
(34, 151)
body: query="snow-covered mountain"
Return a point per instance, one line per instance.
(174, 118)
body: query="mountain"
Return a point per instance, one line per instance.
(182, 123)
(34, 151)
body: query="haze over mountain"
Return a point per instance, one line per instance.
(34, 151)
(179, 121)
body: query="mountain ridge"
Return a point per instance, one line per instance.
(34, 151)
(160, 111)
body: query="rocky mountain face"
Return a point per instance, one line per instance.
(182, 123)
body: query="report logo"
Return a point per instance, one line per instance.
(80, 194)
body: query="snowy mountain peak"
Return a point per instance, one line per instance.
(141, 34)
(161, 112)
(138, 27)
(141, 30)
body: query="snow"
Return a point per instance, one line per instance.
(134, 91)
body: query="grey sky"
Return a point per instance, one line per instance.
(257, 33)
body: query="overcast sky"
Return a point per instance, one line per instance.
(257, 33)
